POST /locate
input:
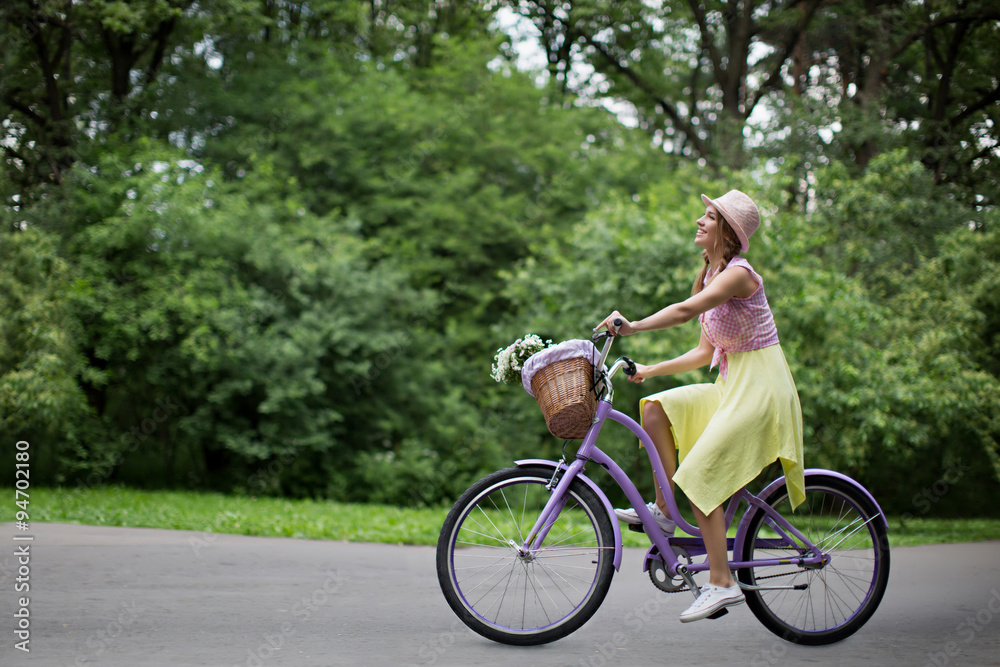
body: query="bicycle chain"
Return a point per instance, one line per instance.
(769, 576)
(680, 552)
(679, 590)
(772, 576)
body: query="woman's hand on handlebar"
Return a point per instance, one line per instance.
(641, 373)
(624, 330)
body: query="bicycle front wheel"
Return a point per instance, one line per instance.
(836, 598)
(525, 598)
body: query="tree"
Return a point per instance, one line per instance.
(41, 400)
(73, 71)
(692, 71)
(923, 70)
(716, 80)
(219, 332)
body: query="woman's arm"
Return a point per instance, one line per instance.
(724, 287)
(690, 360)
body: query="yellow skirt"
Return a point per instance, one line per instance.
(728, 432)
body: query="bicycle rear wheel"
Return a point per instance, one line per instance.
(840, 595)
(517, 598)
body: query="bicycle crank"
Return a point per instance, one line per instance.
(662, 580)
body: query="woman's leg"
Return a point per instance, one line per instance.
(713, 531)
(657, 425)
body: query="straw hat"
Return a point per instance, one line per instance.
(740, 212)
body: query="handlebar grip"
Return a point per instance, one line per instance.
(617, 324)
(630, 368)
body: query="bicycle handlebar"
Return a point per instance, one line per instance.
(630, 368)
(610, 332)
(607, 337)
(602, 381)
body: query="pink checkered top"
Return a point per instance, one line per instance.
(739, 325)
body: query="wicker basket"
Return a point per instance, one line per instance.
(562, 390)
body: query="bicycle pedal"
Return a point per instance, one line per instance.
(636, 527)
(719, 614)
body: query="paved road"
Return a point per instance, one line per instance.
(132, 597)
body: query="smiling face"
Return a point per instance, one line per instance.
(708, 228)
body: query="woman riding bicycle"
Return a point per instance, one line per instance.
(726, 432)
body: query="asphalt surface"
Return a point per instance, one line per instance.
(135, 597)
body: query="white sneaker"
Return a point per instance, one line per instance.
(630, 516)
(712, 599)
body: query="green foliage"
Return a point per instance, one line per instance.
(223, 325)
(883, 224)
(272, 247)
(815, 82)
(40, 362)
(943, 357)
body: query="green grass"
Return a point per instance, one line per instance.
(327, 520)
(242, 515)
(912, 532)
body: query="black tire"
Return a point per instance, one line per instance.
(843, 593)
(525, 599)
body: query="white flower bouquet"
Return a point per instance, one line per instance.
(509, 362)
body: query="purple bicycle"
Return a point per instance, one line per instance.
(527, 554)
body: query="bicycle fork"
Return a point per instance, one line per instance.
(562, 477)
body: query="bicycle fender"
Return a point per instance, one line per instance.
(600, 494)
(741, 530)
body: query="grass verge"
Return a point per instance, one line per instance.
(328, 520)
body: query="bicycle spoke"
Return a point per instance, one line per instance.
(555, 584)
(479, 569)
(526, 592)
(840, 589)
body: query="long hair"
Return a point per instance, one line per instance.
(727, 246)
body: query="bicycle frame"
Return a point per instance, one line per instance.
(589, 451)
